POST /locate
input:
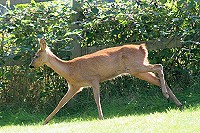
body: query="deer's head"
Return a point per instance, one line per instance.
(41, 55)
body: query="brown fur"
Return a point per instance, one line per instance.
(90, 70)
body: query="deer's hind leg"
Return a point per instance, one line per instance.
(151, 78)
(96, 91)
(157, 68)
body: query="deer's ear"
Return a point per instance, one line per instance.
(43, 44)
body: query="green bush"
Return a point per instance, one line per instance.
(107, 24)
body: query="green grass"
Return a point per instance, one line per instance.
(168, 122)
(142, 111)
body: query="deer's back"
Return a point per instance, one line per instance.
(108, 63)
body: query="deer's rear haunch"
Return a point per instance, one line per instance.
(90, 70)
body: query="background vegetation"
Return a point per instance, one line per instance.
(39, 90)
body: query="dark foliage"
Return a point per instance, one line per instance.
(108, 24)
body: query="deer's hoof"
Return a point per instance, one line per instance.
(181, 107)
(45, 123)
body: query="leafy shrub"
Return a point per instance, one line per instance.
(107, 24)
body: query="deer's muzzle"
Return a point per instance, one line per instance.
(31, 66)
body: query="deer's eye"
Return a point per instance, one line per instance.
(36, 56)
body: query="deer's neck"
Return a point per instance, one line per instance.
(58, 65)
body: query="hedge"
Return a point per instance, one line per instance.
(109, 24)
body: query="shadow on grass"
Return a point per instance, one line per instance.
(111, 109)
(151, 102)
(19, 118)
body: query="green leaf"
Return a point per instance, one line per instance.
(33, 3)
(32, 25)
(17, 57)
(26, 21)
(2, 62)
(175, 19)
(95, 10)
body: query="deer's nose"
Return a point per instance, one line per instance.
(31, 66)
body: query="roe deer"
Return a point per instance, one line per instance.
(91, 69)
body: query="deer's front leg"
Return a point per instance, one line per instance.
(71, 92)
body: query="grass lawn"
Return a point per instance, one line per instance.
(144, 111)
(171, 121)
